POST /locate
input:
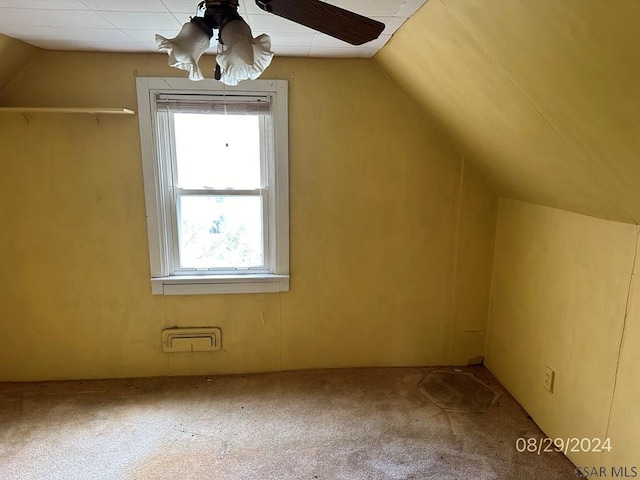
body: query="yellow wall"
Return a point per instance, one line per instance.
(14, 55)
(624, 424)
(473, 267)
(541, 95)
(559, 298)
(378, 208)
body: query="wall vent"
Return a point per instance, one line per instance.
(191, 339)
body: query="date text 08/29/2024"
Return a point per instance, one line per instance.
(569, 445)
(564, 445)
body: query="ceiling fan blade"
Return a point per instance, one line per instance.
(329, 19)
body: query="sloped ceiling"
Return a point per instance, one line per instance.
(14, 55)
(542, 95)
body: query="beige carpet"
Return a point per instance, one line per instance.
(332, 424)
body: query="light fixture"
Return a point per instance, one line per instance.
(187, 47)
(240, 57)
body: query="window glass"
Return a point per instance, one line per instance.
(220, 231)
(217, 151)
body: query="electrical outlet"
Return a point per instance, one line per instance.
(549, 378)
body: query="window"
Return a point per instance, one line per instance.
(215, 164)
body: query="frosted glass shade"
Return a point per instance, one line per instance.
(186, 49)
(244, 57)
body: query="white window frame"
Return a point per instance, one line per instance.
(158, 195)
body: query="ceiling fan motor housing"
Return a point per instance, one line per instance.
(220, 12)
(265, 5)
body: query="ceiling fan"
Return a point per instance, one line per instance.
(241, 56)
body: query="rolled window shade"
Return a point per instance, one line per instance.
(219, 104)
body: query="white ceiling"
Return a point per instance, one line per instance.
(131, 25)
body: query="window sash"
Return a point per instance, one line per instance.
(264, 268)
(167, 142)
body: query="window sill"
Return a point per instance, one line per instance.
(219, 284)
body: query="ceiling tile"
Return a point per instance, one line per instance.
(291, 39)
(31, 33)
(182, 6)
(153, 47)
(149, 36)
(44, 4)
(286, 51)
(112, 35)
(409, 8)
(367, 52)
(78, 46)
(321, 40)
(332, 52)
(182, 17)
(148, 6)
(121, 24)
(120, 47)
(69, 18)
(378, 43)
(14, 17)
(371, 8)
(268, 23)
(391, 24)
(250, 7)
(139, 21)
